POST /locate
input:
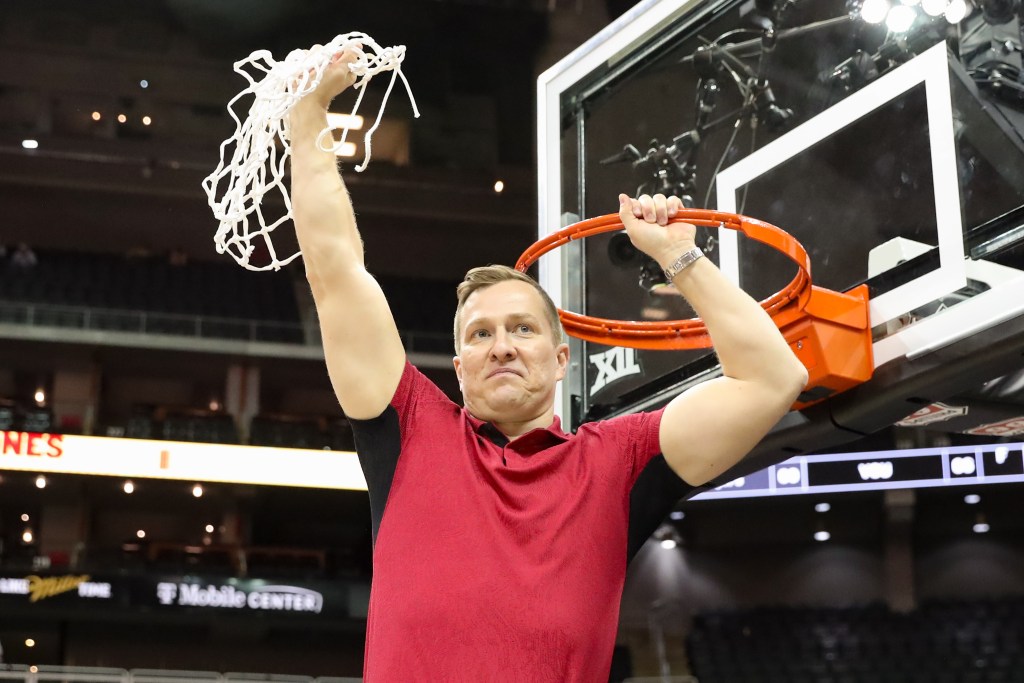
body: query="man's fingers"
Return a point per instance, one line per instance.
(660, 209)
(647, 210)
(674, 204)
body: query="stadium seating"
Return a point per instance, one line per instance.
(202, 298)
(940, 642)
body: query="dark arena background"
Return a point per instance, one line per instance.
(179, 497)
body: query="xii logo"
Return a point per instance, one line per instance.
(612, 365)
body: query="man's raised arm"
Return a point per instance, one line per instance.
(709, 428)
(362, 346)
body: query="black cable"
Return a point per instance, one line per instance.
(753, 146)
(728, 148)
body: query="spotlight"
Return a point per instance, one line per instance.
(956, 11)
(24, 518)
(140, 533)
(209, 528)
(121, 118)
(30, 144)
(900, 18)
(197, 491)
(981, 527)
(499, 185)
(822, 507)
(143, 84)
(27, 536)
(146, 120)
(874, 11)
(972, 499)
(668, 544)
(677, 515)
(40, 482)
(129, 487)
(96, 116)
(822, 536)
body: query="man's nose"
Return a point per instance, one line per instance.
(503, 349)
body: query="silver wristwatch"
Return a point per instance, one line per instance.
(682, 263)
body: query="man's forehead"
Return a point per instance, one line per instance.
(502, 300)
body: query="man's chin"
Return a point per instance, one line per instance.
(503, 405)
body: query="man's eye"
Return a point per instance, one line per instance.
(524, 329)
(479, 334)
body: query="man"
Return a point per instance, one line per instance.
(500, 540)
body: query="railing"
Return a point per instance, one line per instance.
(86, 674)
(194, 326)
(149, 322)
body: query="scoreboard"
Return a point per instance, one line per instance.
(897, 469)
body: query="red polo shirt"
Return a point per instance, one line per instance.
(495, 560)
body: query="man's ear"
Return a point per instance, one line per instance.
(457, 363)
(562, 356)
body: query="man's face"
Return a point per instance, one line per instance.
(509, 363)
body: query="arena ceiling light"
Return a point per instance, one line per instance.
(350, 121)
(346, 149)
(934, 8)
(956, 11)
(901, 18)
(874, 11)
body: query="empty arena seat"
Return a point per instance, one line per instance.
(943, 641)
(221, 292)
(284, 433)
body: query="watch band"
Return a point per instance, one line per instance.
(686, 260)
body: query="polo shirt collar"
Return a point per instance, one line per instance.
(532, 441)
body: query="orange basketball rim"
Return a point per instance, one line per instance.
(828, 331)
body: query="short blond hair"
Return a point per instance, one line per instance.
(485, 276)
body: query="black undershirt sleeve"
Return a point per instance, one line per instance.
(378, 445)
(654, 495)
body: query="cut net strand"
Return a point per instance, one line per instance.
(251, 165)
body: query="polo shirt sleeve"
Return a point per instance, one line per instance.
(639, 441)
(414, 389)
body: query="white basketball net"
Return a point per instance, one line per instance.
(256, 166)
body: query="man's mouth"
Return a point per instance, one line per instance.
(502, 371)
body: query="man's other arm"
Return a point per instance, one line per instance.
(362, 347)
(709, 428)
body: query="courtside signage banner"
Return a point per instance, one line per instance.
(58, 588)
(39, 593)
(199, 462)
